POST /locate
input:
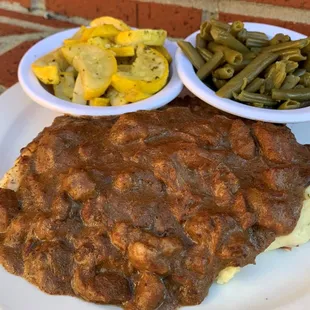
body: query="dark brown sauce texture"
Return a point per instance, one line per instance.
(145, 209)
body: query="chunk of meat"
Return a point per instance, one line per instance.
(93, 213)
(79, 185)
(276, 142)
(61, 207)
(8, 208)
(17, 231)
(271, 212)
(144, 257)
(149, 292)
(49, 266)
(241, 140)
(106, 287)
(224, 185)
(11, 259)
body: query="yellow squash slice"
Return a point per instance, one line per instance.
(48, 67)
(78, 92)
(64, 90)
(95, 65)
(99, 102)
(116, 98)
(145, 36)
(164, 52)
(107, 20)
(104, 31)
(148, 75)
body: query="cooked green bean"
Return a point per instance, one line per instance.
(231, 56)
(200, 42)
(205, 54)
(192, 54)
(286, 45)
(236, 27)
(242, 35)
(223, 73)
(306, 63)
(220, 24)
(294, 94)
(225, 38)
(250, 72)
(306, 49)
(255, 85)
(241, 66)
(289, 104)
(279, 74)
(290, 81)
(305, 79)
(292, 54)
(253, 42)
(250, 55)
(299, 72)
(299, 86)
(279, 38)
(258, 105)
(290, 65)
(218, 83)
(245, 96)
(205, 30)
(256, 35)
(209, 66)
(256, 50)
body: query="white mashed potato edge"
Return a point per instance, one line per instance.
(299, 236)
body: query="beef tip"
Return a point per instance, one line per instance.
(106, 287)
(17, 231)
(49, 266)
(8, 208)
(170, 246)
(276, 142)
(93, 214)
(147, 258)
(61, 207)
(272, 213)
(127, 129)
(149, 292)
(241, 140)
(280, 178)
(11, 259)
(46, 228)
(79, 185)
(32, 194)
(224, 185)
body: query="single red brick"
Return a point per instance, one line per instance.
(25, 3)
(9, 63)
(123, 9)
(7, 29)
(300, 4)
(37, 19)
(178, 21)
(299, 27)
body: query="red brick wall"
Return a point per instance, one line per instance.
(178, 17)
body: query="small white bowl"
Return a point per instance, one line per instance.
(37, 93)
(197, 87)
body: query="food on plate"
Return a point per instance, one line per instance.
(253, 66)
(147, 209)
(108, 54)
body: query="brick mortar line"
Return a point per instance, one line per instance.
(264, 10)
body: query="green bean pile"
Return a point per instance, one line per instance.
(249, 67)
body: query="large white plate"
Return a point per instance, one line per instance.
(279, 280)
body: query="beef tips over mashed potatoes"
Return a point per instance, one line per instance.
(147, 209)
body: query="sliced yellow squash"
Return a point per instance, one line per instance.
(48, 67)
(148, 75)
(145, 36)
(116, 98)
(164, 52)
(64, 90)
(107, 20)
(78, 92)
(79, 33)
(103, 43)
(124, 68)
(95, 65)
(99, 102)
(104, 31)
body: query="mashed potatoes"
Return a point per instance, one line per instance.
(300, 235)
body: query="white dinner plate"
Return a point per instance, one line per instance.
(279, 280)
